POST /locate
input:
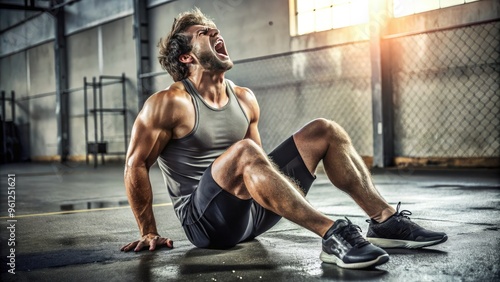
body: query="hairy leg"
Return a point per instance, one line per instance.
(325, 140)
(245, 171)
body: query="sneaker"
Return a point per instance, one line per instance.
(347, 248)
(400, 232)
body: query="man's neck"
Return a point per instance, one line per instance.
(211, 87)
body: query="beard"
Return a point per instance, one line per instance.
(210, 62)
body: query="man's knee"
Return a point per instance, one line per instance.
(330, 130)
(246, 153)
(230, 169)
(247, 146)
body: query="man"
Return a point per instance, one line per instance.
(203, 131)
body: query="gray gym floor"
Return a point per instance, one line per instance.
(72, 220)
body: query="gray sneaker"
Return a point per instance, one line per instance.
(400, 232)
(347, 248)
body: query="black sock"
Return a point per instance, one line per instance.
(329, 232)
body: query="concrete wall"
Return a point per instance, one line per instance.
(42, 111)
(104, 50)
(14, 76)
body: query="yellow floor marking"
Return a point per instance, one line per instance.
(77, 211)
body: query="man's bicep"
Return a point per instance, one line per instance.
(253, 133)
(146, 143)
(254, 110)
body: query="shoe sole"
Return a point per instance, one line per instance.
(393, 243)
(325, 257)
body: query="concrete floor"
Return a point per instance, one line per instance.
(72, 220)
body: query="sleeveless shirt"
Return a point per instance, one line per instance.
(183, 161)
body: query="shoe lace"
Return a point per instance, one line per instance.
(352, 234)
(404, 213)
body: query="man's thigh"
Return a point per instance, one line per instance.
(214, 217)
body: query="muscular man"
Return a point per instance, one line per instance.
(203, 131)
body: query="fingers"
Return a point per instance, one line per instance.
(153, 243)
(129, 246)
(169, 243)
(139, 245)
(160, 241)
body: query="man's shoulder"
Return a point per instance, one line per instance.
(241, 91)
(171, 103)
(244, 94)
(167, 107)
(174, 95)
(174, 91)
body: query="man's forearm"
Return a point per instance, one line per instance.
(140, 198)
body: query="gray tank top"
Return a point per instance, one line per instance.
(184, 160)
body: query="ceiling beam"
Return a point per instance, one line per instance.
(4, 6)
(30, 6)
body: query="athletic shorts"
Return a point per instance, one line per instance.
(217, 219)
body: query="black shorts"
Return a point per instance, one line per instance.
(217, 219)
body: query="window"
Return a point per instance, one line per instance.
(408, 7)
(318, 15)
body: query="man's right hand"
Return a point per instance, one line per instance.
(151, 240)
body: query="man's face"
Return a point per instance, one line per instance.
(209, 48)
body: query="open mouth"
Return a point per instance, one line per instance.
(220, 48)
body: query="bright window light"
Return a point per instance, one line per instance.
(320, 15)
(408, 7)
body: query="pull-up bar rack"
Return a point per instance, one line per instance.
(99, 145)
(7, 127)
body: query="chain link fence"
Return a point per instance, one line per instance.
(294, 88)
(445, 89)
(446, 92)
